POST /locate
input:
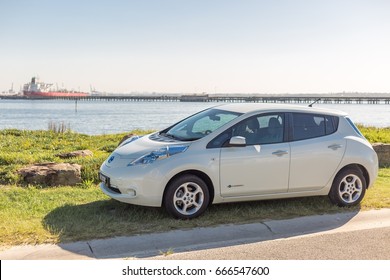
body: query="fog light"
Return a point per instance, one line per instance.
(131, 192)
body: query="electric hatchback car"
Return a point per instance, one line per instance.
(243, 152)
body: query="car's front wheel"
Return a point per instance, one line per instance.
(348, 188)
(186, 197)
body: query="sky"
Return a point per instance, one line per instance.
(195, 46)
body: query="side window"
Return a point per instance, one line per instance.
(331, 124)
(306, 126)
(248, 128)
(262, 129)
(271, 129)
(257, 130)
(220, 140)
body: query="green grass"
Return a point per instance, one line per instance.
(378, 196)
(20, 148)
(375, 135)
(34, 215)
(38, 214)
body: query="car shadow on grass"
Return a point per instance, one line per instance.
(107, 228)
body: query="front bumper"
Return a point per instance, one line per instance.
(133, 185)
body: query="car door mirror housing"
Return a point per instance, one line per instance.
(237, 141)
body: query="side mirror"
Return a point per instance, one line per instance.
(237, 141)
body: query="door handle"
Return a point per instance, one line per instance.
(279, 153)
(334, 147)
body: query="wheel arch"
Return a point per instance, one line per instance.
(359, 167)
(199, 174)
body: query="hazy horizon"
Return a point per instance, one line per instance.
(195, 46)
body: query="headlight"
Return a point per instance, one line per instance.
(159, 154)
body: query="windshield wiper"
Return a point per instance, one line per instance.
(171, 136)
(192, 139)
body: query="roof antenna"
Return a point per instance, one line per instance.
(311, 104)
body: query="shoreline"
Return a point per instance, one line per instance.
(320, 98)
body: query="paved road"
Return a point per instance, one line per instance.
(355, 235)
(371, 244)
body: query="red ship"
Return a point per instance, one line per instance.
(39, 89)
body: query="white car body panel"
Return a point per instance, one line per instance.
(254, 170)
(314, 162)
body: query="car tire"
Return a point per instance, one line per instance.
(348, 188)
(186, 197)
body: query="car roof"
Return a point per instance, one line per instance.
(262, 107)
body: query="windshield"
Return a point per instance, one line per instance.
(200, 124)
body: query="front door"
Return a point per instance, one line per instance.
(254, 169)
(260, 167)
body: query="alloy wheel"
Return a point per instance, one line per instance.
(188, 198)
(350, 188)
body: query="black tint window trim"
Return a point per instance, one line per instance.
(332, 124)
(336, 121)
(288, 129)
(333, 119)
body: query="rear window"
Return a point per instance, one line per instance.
(307, 126)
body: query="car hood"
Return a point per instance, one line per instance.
(129, 152)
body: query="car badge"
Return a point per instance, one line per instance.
(111, 159)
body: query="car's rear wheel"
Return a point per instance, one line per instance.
(348, 188)
(186, 197)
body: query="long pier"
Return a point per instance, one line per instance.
(325, 98)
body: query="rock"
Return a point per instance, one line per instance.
(80, 153)
(52, 174)
(383, 152)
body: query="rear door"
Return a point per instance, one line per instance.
(316, 151)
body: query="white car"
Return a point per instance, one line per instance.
(243, 152)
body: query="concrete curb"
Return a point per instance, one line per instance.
(148, 245)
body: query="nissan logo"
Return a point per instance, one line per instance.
(111, 159)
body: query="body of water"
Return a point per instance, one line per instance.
(106, 117)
